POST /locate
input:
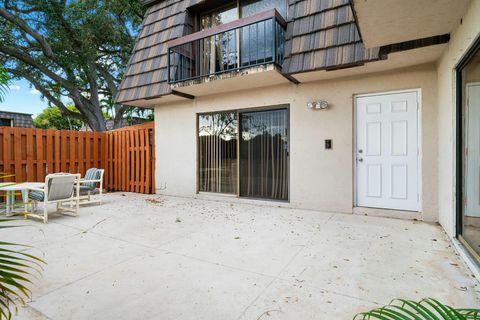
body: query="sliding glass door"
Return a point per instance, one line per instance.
(264, 154)
(469, 160)
(257, 41)
(244, 153)
(250, 45)
(219, 51)
(217, 150)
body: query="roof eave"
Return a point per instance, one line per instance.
(148, 3)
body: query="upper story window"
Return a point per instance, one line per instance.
(219, 16)
(239, 9)
(251, 7)
(227, 42)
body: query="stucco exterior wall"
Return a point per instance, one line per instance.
(319, 179)
(462, 38)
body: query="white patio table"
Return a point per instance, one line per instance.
(10, 190)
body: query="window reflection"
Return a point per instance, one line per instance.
(264, 154)
(217, 144)
(471, 154)
(251, 7)
(263, 159)
(220, 51)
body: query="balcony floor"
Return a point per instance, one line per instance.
(156, 257)
(249, 78)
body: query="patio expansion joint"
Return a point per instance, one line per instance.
(277, 277)
(157, 247)
(39, 296)
(36, 311)
(217, 263)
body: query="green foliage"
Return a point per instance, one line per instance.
(17, 270)
(52, 118)
(74, 49)
(4, 79)
(426, 309)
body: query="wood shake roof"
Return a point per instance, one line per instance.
(321, 34)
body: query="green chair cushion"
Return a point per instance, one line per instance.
(91, 174)
(36, 195)
(86, 188)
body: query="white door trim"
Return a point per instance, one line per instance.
(418, 91)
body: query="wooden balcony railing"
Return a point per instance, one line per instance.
(244, 43)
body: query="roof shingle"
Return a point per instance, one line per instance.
(321, 34)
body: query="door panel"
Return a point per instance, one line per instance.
(472, 153)
(468, 156)
(220, 51)
(264, 154)
(217, 152)
(387, 151)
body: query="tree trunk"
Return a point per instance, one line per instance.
(118, 119)
(93, 117)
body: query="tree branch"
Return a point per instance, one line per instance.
(16, 9)
(33, 63)
(111, 81)
(92, 80)
(119, 111)
(46, 49)
(46, 93)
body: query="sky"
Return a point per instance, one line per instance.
(22, 98)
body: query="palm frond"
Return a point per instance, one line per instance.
(425, 309)
(18, 269)
(4, 79)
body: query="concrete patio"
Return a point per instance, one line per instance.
(152, 257)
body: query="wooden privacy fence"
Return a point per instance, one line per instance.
(126, 154)
(130, 159)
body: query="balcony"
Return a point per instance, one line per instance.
(251, 45)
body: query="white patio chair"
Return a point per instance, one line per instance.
(59, 188)
(91, 183)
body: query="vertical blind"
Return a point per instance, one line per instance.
(264, 154)
(263, 159)
(217, 144)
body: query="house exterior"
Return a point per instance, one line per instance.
(131, 121)
(367, 107)
(16, 119)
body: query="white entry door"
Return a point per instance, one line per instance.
(387, 151)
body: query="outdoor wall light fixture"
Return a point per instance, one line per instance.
(318, 105)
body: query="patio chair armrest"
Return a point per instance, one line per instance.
(87, 181)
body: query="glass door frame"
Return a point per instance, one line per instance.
(459, 147)
(238, 112)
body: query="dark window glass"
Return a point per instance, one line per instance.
(5, 122)
(257, 43)
(219, 51)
